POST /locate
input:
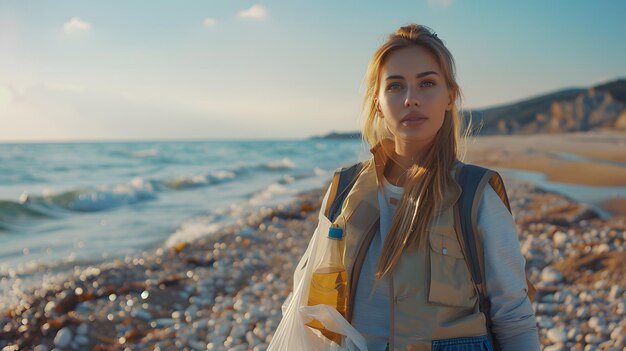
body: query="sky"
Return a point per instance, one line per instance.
(86, 70)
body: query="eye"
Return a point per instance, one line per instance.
(425, 83)
(394, 86)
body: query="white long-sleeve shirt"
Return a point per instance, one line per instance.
(511, 311)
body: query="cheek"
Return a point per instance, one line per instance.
(391, 103)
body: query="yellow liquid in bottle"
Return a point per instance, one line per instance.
(328, 286)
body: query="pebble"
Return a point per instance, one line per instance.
(559, 239)
(163, 323)
(141, 314)
(555, 347)
(551, 275)
(593, 339)
(81, 340)
(557, 335)
(547, 308)
(82, 329)
(197, 345)
(63, 337)
(595, 322)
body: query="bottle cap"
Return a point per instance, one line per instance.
(335, 233)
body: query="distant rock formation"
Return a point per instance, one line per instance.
(598, 108)
(342, 136)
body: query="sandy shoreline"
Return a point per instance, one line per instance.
(540, 153)
(571, 172)
(588, 159)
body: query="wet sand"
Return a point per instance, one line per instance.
(616, 206)
(607, 146)
(571, 172)
(589, 159)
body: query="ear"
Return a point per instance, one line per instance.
(450, 101)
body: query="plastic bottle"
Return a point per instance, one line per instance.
(329, 282)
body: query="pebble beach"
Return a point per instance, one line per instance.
(225, 292)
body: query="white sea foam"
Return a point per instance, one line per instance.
(266, 194)
(146, 153)
(285, 163)
(321, 146)
(319, 172)
(200, 180)
(194, 229)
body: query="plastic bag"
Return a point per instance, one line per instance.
(292, 333)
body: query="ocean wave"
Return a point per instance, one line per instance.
(52, 205)
(11, 211)
(195, 229)
(285, 163)
(266, 194)
(145, 153)
(291, 178)
(189, 182)
(319, 172)
(100, 198)
(150, 152)
(107, 197)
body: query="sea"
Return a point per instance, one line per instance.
(67, 205)
(81, 203)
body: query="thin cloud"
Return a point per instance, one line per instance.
(256, 11)
(209, 22)
(76, 25)
(440, 3)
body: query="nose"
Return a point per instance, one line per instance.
(411, 98)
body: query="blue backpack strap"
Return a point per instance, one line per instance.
(343, 181)
(473, 180)
(340, 186)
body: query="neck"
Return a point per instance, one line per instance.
(405, 156)
(408, 154)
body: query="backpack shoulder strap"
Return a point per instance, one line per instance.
(473, 180)
(342, 183)
(494, 179)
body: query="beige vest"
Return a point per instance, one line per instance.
(432, 294)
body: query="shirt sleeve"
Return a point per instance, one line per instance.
(512, 315)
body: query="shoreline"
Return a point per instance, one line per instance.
(226, 291)
(574, 159)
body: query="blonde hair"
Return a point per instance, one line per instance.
(426, 183)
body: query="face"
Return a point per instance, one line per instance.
(413, 96)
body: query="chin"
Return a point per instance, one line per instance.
(416, 137)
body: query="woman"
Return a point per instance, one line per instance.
(408, 285)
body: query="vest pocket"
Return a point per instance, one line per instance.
(450, 283)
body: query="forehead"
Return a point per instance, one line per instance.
(409, 61)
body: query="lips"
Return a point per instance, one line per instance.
(413, 117)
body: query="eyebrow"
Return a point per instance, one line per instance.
(423, 74)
